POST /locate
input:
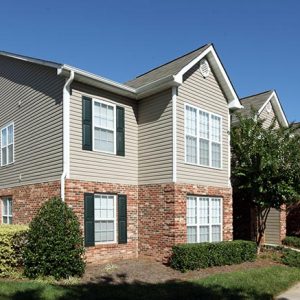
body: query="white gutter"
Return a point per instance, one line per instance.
(174, 119)
(66, 133)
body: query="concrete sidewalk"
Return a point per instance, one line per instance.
(291, 294)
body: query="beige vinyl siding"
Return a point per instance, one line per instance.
(206, 94)
(272, 232)
(99, 166)
(37, 121)
(269, 117)
(155, 138)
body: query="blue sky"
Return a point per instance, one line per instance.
(258, 40)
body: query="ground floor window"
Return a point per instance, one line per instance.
(105, 218)
(204, 219)
(6, 210)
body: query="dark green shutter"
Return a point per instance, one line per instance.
(89, 220)
(87, 136)
(120, 131)
(122, 219)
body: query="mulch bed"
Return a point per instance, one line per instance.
(150, 271)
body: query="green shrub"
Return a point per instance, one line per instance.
(12, 239)
(291, 258)
(196, 256)
(55, 244)
(292, 241)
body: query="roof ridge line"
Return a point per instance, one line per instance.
(206, 45)
(244, 98)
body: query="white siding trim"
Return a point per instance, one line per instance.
(174, 116)
(229, 150)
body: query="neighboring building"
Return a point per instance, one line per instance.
(268, 107)
(144, 165)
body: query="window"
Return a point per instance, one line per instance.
(105, 218)
(204, 219)
(7, 145)
(202, 137)
(104, 133)
(7, 210)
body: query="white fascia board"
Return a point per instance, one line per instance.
(31, 59)
(278, 108)
(233, 99)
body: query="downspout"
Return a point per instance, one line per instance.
(174, 125)
(66, 134)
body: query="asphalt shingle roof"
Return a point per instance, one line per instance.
(170, 68)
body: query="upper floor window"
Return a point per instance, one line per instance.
(7, 210)
(202, 137)
(7, 145)
(104, 120)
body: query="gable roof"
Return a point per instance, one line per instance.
(156, 80)
(172, 67)
(259, 101)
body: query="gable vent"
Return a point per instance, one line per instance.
(269, 107)
(204, 68)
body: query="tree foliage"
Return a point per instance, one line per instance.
(55, 244)
(265, 165)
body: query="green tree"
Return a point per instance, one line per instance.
(265, 166)
(55, 243)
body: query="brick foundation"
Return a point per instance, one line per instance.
(156, 214)
(74, 195)
(162, 215)
(27, 199)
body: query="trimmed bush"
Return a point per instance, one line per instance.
(292, 241)
(12, 240)
(197, 256)
(291, 258)
(55, 244)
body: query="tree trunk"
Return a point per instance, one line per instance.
(262, 216)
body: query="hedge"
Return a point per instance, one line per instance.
(292, 241)
(12, 240)
(291, 258)
(197, 256)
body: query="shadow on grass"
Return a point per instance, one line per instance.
(107, 288)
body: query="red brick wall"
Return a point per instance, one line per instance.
(162, 215)
(74, 195)
(282, 222)
(28, 199)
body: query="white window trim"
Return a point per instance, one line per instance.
(198, 137)
(2, 210)
(13, 143)
(115, 126)
(108, 219)
(197, 224)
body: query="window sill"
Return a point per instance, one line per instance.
(203, 166)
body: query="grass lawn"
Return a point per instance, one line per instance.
(261, 283)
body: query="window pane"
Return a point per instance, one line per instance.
(192, 234)
(215, 211)
(204, 152)
(216, 233)
(191, 211)
(10, 153)
(10, 134)
(104, 140)
(203, 234)
(216, 155)
(4, 219)
(3, 137)
(9, 220)
(5, 207)
(191, 149)
(104, 231)
(215, 129)
(4, 156)
(204, 125)
(204, 211)
(190, 121)
(9, 212)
